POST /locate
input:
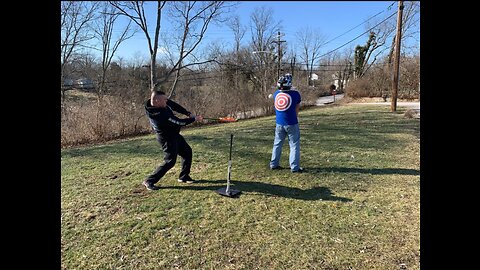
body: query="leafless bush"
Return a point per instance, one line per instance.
(88, 122)
(311, 94)
(359, 88)
(377, 82)
(410, 78)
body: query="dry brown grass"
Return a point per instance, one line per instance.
(85, 120)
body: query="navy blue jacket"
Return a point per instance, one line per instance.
(164, 122)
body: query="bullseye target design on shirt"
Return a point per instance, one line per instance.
(283, 101)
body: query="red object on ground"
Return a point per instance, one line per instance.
(227, 119)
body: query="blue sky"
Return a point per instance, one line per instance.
(330, 18)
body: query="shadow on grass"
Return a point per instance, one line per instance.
(366, 170)
(315, 193)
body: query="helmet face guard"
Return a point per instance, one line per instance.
(285, 81)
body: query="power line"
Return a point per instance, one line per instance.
(388, 8)
(323, 65)
(255, 65)
(243, 71)
(358, 35)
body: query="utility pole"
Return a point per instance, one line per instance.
(292, 66)
(279, 52)
(393, 105)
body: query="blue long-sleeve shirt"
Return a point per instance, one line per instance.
(285, 106)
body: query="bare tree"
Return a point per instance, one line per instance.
(410, 29)
(192, 18)
(238, 34)
(75, 19)
(238, 31)
(345, 69)
(381, 33)
(311, 42)
(103, 29)
(377, 38)
(135, 10)
(385, 30)
(263, 30)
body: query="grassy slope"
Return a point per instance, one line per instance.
(358, 206)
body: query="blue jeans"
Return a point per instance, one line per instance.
(293, 132)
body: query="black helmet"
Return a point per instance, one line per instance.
(285, 81)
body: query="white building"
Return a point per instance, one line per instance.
(337, 81)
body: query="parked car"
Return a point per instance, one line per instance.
(84, 84)
(67, 84)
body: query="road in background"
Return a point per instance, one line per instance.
(322, 101)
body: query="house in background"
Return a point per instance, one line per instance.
(338, 82)
(314, 78)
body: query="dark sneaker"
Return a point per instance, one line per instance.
(276, 168)
(187, 180)
(300, 170)
(150, 186)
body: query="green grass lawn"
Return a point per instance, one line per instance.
(356, 207)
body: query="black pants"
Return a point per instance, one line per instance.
(171, 148)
